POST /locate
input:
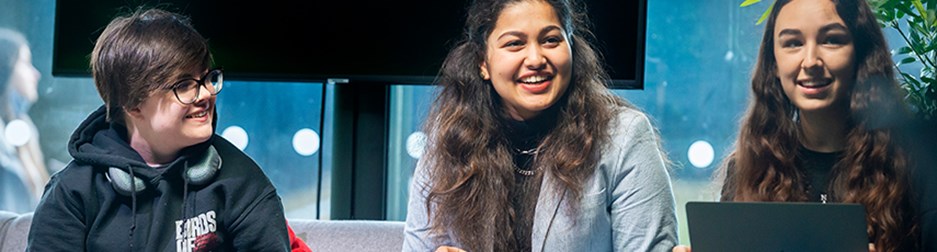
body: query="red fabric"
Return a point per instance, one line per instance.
(296, 244)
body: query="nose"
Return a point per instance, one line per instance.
(204, 92)
(535, 59)
(812, 62)
(36, 73)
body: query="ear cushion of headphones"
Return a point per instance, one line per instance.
(200, 173)
(205, 169)
(121, 181)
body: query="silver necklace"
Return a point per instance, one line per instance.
(526, 172)
(531, 152)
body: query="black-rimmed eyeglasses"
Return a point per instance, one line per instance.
(187, 90)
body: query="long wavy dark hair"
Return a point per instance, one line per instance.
(470, 166)
(873, 168)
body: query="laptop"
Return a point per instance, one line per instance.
(776, 226)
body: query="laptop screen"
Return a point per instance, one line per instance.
(776, 226)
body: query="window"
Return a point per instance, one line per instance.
(278, 125)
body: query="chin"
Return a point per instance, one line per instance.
(814, 106)
(201, 135)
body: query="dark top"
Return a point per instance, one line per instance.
(817, 167)
(524, 137)
(81, 210)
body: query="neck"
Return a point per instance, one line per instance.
(519, 115)
(824, 131)
(151, 154)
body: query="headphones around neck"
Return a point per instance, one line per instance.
(200, 173)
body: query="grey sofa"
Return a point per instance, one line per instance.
(320, 235)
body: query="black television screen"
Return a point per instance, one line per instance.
(375, 41)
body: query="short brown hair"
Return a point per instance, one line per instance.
(140, 53)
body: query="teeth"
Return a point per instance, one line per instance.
(534, 79)
(814, 83)
(203, 113)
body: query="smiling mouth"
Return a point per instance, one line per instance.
(535, 79)
(198, 115)
(819, 83)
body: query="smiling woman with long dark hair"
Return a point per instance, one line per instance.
(528, 149)
(821, 123)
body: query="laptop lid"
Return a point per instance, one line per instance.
(776, 226)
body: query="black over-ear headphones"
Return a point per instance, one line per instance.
(199, 173)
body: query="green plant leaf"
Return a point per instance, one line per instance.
(905, 10)
(929, 81)
(764, 15)
(915, 38)
(920, 9)
(885, 16)
(916, 26)
(749, 2)
(927, 71)
(907, 60)
(911, 80)
(931, 19)
(904, 50)
(885, 10)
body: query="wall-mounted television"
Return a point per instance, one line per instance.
(398, 42)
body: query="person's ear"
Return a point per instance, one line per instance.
(133, 112)
(484, 70)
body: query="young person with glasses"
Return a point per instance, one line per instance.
(149, 174)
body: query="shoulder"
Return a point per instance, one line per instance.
(76, 186)
(232, 156)
(630, 125)
(74, 175)
(235, 164)
(227, 150)
(633, 144)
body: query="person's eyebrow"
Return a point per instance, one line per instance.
(833, 27)
(512, 33)
(790, 32)
(547, 29)
(522, 35)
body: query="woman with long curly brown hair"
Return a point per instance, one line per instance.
(820, 124)
(529, 150)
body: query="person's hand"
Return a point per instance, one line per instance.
(681, 248)
(872, 247)
(449, 249)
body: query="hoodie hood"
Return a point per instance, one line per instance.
(99, 143)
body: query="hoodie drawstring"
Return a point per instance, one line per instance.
(133, 204)
(185, 188)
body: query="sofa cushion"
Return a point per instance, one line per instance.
(14, 228)
(349, 235)
(5, 219)
(320, 235)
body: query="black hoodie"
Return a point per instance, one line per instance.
(237, 209)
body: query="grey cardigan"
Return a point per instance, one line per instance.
(627, 204)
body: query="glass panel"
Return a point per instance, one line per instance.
(409, 106)
(278, 125)
(696, 87)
